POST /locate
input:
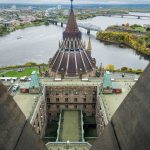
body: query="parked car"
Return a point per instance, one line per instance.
(15, 87)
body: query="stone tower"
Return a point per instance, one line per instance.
(89, 47)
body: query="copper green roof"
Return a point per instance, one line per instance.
(35, 82)
(107, 80)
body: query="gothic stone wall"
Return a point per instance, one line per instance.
(71, 98)
(39, 119)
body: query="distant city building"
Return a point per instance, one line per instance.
(59, 7)
(14, 7)
(46, 13)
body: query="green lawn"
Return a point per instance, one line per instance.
(71, 126)
(15, 73)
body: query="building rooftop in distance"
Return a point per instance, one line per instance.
(26, 102)
(113, 101)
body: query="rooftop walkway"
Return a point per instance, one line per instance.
(71, 82)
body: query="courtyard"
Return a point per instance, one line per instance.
(70, 126)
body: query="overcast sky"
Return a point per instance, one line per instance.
(76, 1)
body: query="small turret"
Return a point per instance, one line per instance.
(89, 47)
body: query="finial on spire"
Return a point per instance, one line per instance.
(71, 4)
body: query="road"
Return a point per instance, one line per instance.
(118, 75)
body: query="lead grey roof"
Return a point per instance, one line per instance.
(72, 59)
(71, 62)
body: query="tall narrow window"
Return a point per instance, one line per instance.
(94, 100)
(57, 99)
(75, 99)
(66, 100)
(75, 106)
(84, 99)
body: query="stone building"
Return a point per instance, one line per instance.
(130, 120)
(39, 116)
(33, 104)
(72, 59)
(71, 97)
(72, 63)
(72, 85)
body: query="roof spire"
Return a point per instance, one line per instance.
(72, 30)
(71, 4)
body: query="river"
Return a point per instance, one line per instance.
(40, 43)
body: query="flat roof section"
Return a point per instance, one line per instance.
(26, 102)
(116, 85)
(24, 85)
(113, 101)
(71, 82)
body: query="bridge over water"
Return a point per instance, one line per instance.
(87, 26)
(127, 15)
